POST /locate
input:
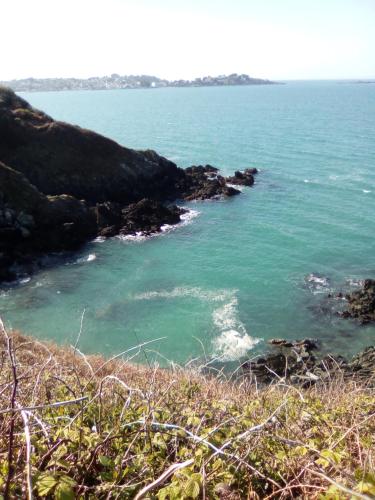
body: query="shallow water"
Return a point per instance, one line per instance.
(238, 273)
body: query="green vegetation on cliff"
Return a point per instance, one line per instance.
(75, 426)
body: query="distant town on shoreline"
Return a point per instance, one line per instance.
(116, 81)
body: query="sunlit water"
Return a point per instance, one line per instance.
(237, 273)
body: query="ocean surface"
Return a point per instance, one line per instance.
(237, 272)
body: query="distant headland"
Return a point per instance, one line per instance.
(116, 81)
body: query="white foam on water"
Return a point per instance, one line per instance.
(99, 239)
(317, 284)
(189, 215)
(366, 191)
(234, 341)
(225, 318)
(87, 258)
(354, 282)
(137, 237)
(140, 236)
(194, 292)
(313, 278)
(186, 219)
(236, 186)
(23, 281)
(231, 345)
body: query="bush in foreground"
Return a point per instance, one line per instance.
(75, 426)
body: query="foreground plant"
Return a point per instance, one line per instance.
(75, 426)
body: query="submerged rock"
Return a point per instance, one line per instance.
(299, 345)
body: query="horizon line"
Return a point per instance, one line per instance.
(191, 79)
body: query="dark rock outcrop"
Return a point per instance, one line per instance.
(203, 182)
(148, 216)
(245, 178)
(61, 185)
(59, 158)
(361, 303)
(294, 362)
(31, 222)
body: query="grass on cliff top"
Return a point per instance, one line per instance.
(75, 426)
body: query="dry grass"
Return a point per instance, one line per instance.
(84, 427)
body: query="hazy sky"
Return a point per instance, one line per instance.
(277, 39)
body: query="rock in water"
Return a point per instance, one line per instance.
(245, 178)
(201, 183)
(148, 217)
(361, 303)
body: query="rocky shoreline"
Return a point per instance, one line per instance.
(360, 304)
(298, 362)
(61, 185)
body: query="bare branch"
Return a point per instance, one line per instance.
(161, 479)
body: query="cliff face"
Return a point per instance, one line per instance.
(61, 185)
(31, 222)
(60, 158)
(55, 179)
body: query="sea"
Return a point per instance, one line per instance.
(236, 272)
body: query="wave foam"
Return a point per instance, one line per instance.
(354, 282)
(233, 341)
(99, 239)
(194, 292)
(231, 345)
(186, 219)
(316, 283)
(87, 258)
(236, 186)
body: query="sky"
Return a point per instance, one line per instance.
(173, 39)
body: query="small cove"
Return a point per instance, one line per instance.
(237, 274)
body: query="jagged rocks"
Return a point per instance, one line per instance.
(361, 303)
(148, 216)
(245, 178)
(31, 223)
(290, 358)
(294, 362)
(203, 182)
(61, 185)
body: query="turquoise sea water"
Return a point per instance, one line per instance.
(238, 273)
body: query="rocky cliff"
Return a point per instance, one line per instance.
(61, 185)
(60, 158)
